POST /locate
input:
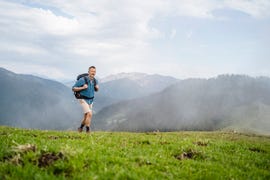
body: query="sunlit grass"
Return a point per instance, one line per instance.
(38, 154)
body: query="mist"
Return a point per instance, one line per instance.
(31, 102)
(233, 102)
(230, 102)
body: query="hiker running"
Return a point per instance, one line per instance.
(84, 90)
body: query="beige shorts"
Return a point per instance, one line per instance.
(86, 107)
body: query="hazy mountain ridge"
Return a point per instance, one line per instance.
(192, 104)
(131, 76)
(131, 85)
(124, 86)
(195, 104)
(32, 102)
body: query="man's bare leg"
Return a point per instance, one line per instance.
(84, 118)
(80, 129)
(88, 121)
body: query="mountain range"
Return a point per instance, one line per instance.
(139, 102)
(226, 101)
(34, 102)
(127, 86)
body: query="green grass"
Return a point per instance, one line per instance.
(35, 154)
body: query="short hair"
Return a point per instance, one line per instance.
(92, 67)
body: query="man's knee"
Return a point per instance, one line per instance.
(88, 114)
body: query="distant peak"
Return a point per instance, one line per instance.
(123, 75)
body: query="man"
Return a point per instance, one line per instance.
(87, 92)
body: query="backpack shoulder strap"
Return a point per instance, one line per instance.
(81, 75)
(85, 80)
(95, 82)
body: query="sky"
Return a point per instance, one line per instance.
(181, 38)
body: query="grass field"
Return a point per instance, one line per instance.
(36, 154)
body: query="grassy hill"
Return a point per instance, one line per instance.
(36, 154)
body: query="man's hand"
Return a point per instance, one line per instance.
(85, 86)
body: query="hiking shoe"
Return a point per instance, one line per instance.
(80, 129)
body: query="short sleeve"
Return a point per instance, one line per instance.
(79, 83)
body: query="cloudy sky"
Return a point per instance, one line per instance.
(182, 38)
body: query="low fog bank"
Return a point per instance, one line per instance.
(228, 101)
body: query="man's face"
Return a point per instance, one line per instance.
(92, 72)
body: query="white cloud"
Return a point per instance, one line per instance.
(114, 34)
(205, 8)
(55, 25)
(173, 33)
(35, 20)
(198, 8)
(40, 70)
(189, 34)
(21, 48)
(255, 8)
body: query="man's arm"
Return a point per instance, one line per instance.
(75, 89)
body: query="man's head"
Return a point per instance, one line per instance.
(92, 71)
